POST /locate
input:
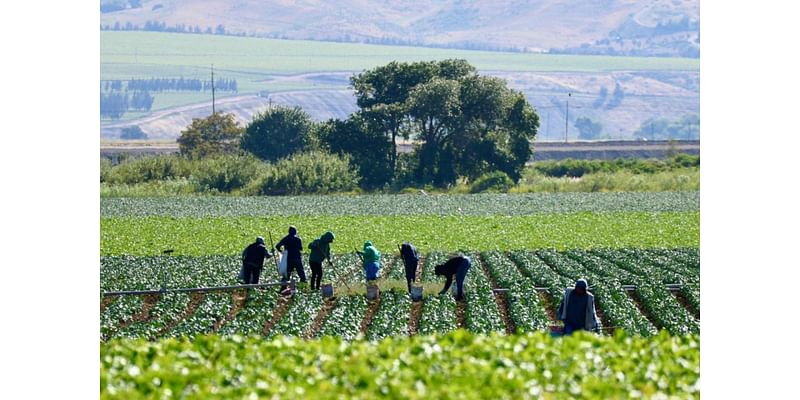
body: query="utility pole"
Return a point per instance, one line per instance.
(213, 100)
(566, 120)
(547, 130)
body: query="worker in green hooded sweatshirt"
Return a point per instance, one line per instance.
(320, 251)
(372, 260)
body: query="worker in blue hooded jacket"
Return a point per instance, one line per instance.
(372, 260)
(577, 309)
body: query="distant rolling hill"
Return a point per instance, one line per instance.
(632, 27)
(314, 75)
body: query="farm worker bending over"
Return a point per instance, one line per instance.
(577, 309)
(253, 260)
(457, 266)
(320, 251)
(294, 254)
(372, 260)
(411, 260)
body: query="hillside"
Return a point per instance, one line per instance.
(627, 27)
(314, 75)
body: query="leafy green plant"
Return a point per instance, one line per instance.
(517, 366)
(525, 307)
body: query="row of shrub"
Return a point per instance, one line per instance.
(578, 168)
(318, 172)
(302, 173)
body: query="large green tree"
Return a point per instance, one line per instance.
(368, 149)
(278, 133)
(382, 93)
(214, 135)
(464, 124)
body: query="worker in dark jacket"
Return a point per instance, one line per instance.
(320, 251)
(577, 309)
(253, 260)
(411, 261)
(457, 266)
(294, 254)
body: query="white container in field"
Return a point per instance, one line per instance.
(372, 291)
(282, 262)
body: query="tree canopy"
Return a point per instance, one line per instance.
(464, 124)
(214, 135)
(278, 133)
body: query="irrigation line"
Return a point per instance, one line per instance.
(629, 288)
(291, 284)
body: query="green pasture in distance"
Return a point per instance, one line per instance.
(163, 54)
(478, 367)
(229, 235)
(409, 204)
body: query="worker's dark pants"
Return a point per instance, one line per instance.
(316, 275)
(568, 329)
(411, 273)
(293, 265)
(461, 274)
(251, 273)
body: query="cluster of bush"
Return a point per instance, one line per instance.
(578, 168)
(244, 174)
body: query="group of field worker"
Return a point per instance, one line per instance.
(577, 308)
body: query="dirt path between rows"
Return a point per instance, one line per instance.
(547, 302)
(500, 299)
(414, 316)
(372, 308)
(150, 301)
(280, 310)
(461, 307)
(327, 307)
(638, 302)
(238, 301)
(420, 266)
(607, 328)
(683, 302)
(194, 301)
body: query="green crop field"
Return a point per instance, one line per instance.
(257, 343)
(228, 235)
(163, 54)
(256, 62)
(457, 365)
(412, 204)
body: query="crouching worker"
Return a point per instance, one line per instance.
(457, 266)
(411, 260)
(577, 309)
(320, 251)
(372, 260)
(253, 260)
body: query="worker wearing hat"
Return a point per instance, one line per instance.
(253, 260)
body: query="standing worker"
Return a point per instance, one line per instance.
(294, 255)
(457, 266)
(253, 260)
(372, 260)
(577, 309)
(320, 251)
(411, 260)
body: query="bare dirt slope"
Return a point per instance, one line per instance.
(529, 24)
